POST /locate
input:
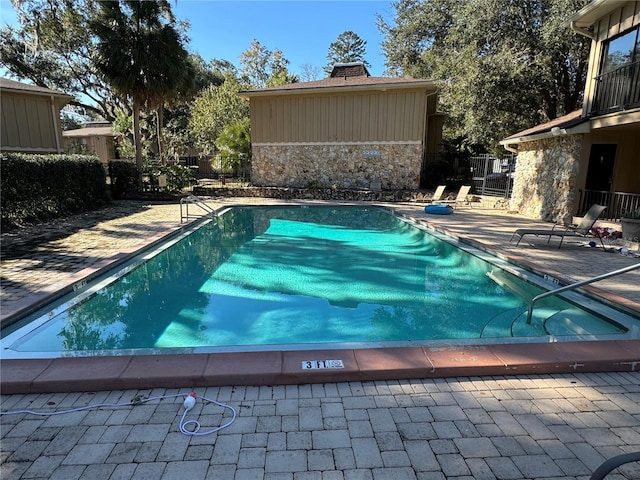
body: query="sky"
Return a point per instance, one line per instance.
(301, 29)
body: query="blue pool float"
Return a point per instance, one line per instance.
(439, 209)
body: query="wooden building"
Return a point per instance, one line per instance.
(350, 130)
(590, 155)
(30, 118)
(95, 138)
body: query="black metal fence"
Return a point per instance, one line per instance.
(493, 176)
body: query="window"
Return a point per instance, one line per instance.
(622, 50)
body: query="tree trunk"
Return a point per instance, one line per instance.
(159, 121)
(137, 141)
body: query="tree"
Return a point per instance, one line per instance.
(348, 47)
(309, 72)
(234, 144)
(213, 109)
(177, 139)
(260, 67)
(504, 66)
(140, 54)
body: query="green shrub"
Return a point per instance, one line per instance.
(40, 187)
(178, 176)
(125, 178)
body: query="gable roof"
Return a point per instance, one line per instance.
(570, 124)
(343, 83)
(566, 121)
(97, 131)
(345, 76)
(12, 85)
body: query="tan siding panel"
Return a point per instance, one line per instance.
(273, 124)
(255, 122)
(418, 116)
(396, 105)
(365, 118)
(283, 119)
(355, 118)
(276, 119)
(614, 23)
(406, 118)
(38, 118)
(26, 134)
(311, 132)
(10, 129)
(349, 117)
(265, 120)
(47, 125)
(323, 105)
(294, 120)
(368, 119)
(339, 118)
(627, 17)
(333, 119)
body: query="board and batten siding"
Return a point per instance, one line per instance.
(392, 116)
(30, 124)
(615, 23)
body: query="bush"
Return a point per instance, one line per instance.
(40, 187)
(125, 178)
(178, 176)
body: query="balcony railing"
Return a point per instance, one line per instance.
(618, 89)
(618, 203)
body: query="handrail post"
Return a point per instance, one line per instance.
(576, 285)
(196, 201)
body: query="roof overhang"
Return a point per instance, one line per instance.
(7, 85)
(570, 124)
(582, 21)
(617, 119)
(89, 132)
(302, 89)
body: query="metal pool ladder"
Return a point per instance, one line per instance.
(576, 285)
(195, 200)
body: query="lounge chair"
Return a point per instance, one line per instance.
(460, 198)
(437, 195)
(582, 229)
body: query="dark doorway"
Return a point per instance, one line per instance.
(600, 172)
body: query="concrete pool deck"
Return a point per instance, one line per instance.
(476, 423)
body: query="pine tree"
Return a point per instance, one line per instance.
(348, 47)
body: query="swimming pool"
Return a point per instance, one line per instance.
(300, 277)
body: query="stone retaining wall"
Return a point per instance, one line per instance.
(342, 166)
(545, 183)
(285, 193)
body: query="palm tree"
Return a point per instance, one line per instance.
(140, 53)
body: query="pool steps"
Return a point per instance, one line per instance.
(546, 321)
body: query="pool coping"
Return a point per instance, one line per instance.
(286, 367)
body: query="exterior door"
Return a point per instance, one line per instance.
(600, 172)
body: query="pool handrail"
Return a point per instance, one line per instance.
(196, 201)
(576, 285)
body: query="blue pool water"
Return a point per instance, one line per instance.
(274, 276)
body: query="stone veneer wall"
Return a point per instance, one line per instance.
(545, 179)
(344, 166)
